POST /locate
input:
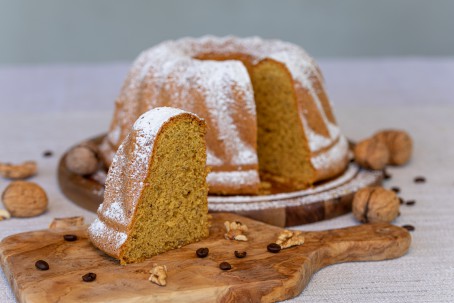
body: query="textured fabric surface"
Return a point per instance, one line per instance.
(416, 95)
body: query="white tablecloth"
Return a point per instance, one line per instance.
(54, 107)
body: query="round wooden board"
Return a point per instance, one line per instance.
(323, 201)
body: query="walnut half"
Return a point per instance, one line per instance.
(235, 231)
(158, 275)
(19, 171)
(289, 238)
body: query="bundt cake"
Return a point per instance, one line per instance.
(156, 190)
(266, 108)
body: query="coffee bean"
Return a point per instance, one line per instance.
(409, 227)
(419, 179)
(273, 248)
(48, 153)
(90, 277)
(70, 238)
(395, 189)
(401, 201)
(386, 175)
(42, 265)
(202, 252)
(240, 254)
(225, 266)
(410, 203)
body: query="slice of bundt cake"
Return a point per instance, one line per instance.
(156, 190)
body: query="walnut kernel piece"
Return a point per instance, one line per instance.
(158, 275)
(66, 222)
(375, 204)
(240, 238)
(4, 214)
(19, 171)
(24, 199)
(235, 225)
(82, 160)
(289, 238)
(399, 144)
(371, 153)
(235, 231)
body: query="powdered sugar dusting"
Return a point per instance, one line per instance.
(149, 124)
(178, 79)
(236, 178)
(99, 231)
(115, 212)
(335, 154)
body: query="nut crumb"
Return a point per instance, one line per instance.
(158, 275)
(235, 231)
(289, 238)
(4, 214)
(19, 171)
(240, 238)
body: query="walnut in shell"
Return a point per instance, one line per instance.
(371, 153)
(24, 199)
(375, 204)
(82, 160)
(399, 144)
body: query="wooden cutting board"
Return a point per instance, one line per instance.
(260, 277)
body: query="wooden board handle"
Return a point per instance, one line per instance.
(367, 242)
